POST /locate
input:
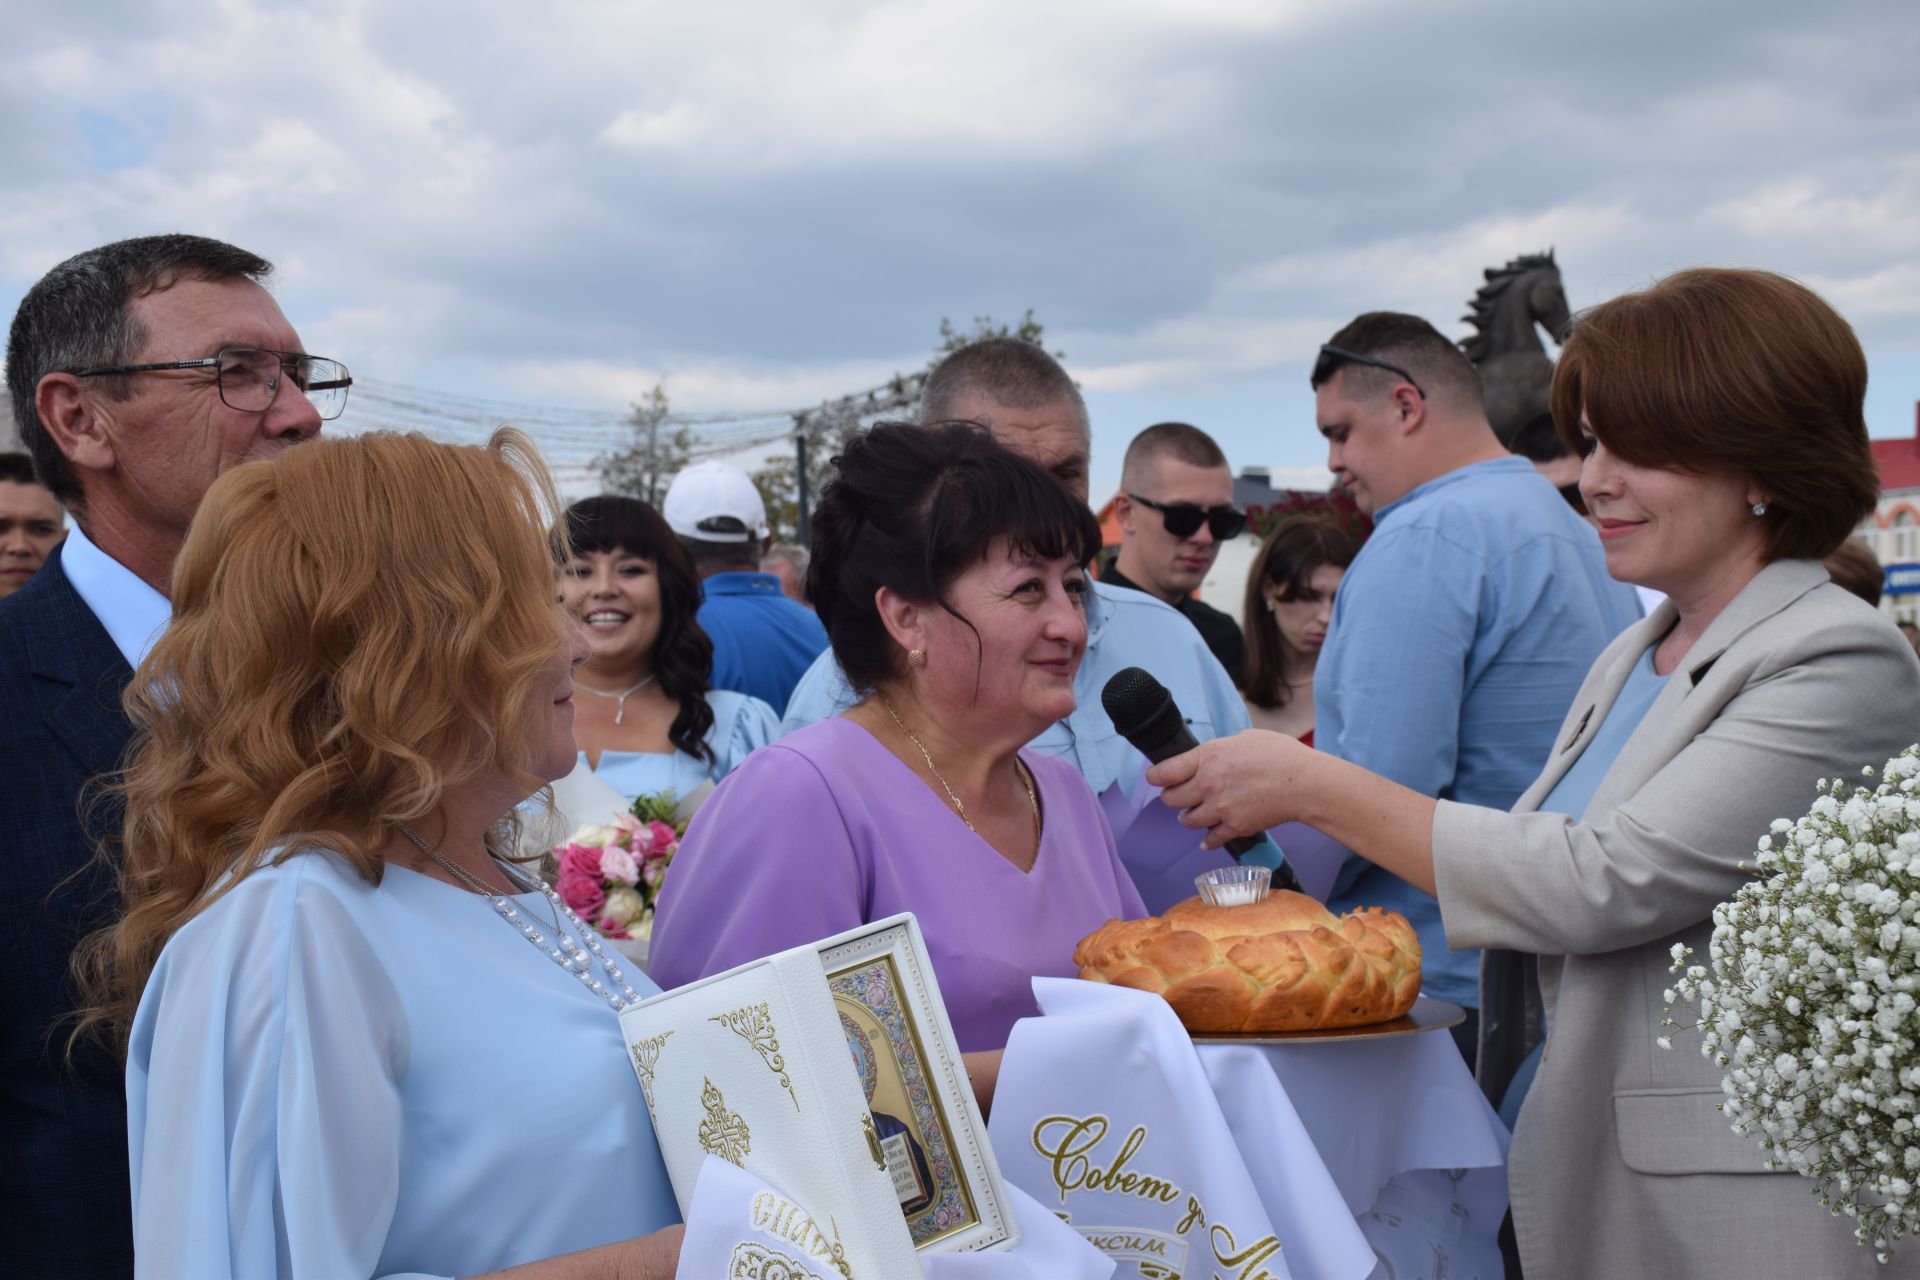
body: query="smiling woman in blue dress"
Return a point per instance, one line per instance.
(357, 1041)
(650, 722)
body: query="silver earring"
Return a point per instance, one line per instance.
(1759, 508)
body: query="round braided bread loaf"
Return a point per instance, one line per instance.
(1284, 963)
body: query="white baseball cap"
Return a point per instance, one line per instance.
(713, 502)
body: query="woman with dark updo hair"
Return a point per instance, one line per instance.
(951, 575)
(649, 723)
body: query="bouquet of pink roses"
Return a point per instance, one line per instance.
(611, 875)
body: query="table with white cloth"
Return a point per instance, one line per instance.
(1326, 1160)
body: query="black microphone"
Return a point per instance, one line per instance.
(1145, 715)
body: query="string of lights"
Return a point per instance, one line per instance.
(575, 440)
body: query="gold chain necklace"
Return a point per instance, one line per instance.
(1019, 767)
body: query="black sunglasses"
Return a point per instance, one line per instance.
(1183, 519)
(1328, 363)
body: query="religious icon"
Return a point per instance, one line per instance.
(910, 1115)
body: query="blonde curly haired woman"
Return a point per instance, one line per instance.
(336, 998)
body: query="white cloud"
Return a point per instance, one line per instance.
(675, 126)
(704, 387)
(770, 204)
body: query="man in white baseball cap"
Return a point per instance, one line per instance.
(712, 502)
(762, 641)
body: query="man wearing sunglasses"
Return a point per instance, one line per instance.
(1175, 508)
(1464, 628)
(138, 372)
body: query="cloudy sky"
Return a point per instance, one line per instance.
(766, 204)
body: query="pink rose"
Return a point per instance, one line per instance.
(664, 841)
(652, 872)
(628, 823)
(618, 866)
(582, 893)
(581, 860)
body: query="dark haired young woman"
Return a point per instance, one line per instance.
(1289, 603)
(648, 722)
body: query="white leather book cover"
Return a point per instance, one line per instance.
(847, 1094)
(751, 1066)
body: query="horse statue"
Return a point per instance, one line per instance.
(1514, 366)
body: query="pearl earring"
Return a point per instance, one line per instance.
(1759, 508)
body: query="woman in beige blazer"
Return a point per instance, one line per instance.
(1726, 451)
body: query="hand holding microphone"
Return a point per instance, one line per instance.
(1145, 715)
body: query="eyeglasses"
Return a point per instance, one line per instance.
(249, 377)
(1183, 519)
(1328, 363)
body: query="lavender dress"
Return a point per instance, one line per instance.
(826, 829)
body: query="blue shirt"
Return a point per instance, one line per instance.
(762, 641)
(133, 613)
(1125, 628)
(1459, 638)
(1574, 792)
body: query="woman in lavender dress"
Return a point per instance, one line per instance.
(950, 574)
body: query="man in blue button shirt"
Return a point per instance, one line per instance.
(1465, 626)
(1022, 395)
(762, 641)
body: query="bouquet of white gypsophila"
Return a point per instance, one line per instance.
(1809, 1000)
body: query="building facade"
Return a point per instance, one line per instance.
(1893, 530)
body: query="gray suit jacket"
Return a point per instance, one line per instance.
(1621, 1164)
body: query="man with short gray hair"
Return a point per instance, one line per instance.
(138, 373)
(788, 563)
(1022, 395)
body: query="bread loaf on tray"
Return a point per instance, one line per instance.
(1284, 963)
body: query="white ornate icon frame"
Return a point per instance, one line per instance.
(882, 982)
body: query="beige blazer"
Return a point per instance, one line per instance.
(1621, 1166)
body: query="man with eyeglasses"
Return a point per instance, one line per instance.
(1464, 628)
(1175, 508)
(138, 372)
(1022, 395)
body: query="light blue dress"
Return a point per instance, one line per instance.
(740, 724)
(333, 1080)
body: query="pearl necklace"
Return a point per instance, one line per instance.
(620, 706)
(1019, 768)
(568, 955)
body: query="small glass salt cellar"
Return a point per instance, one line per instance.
(1236, 886)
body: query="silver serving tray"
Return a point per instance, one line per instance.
(1426, 1015)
